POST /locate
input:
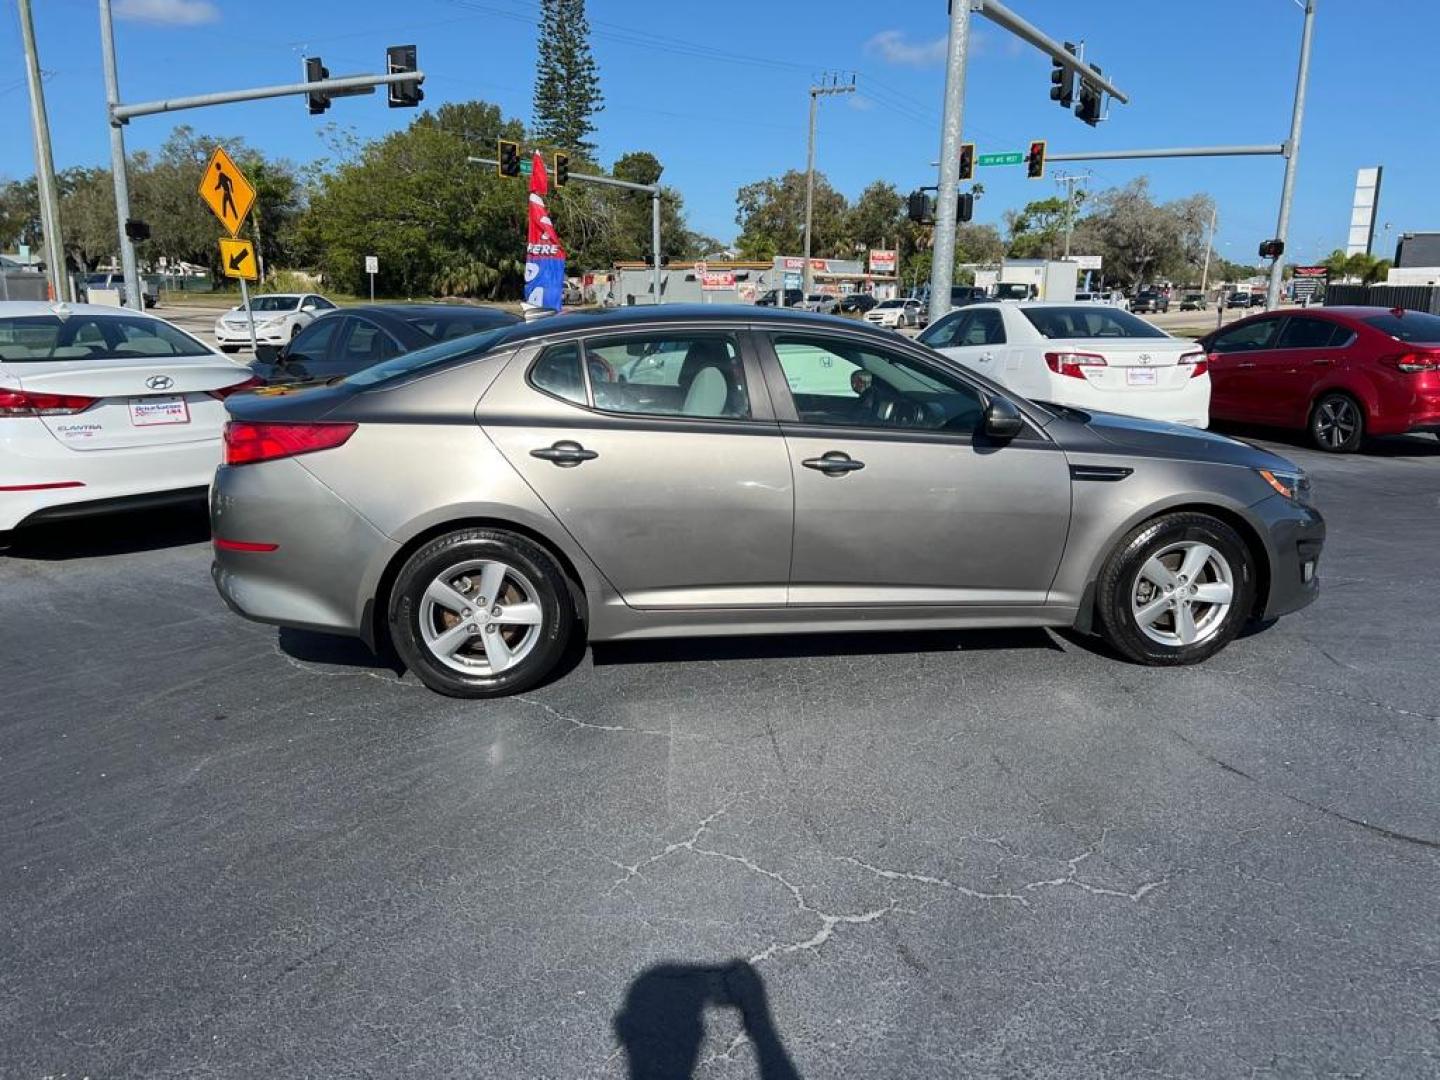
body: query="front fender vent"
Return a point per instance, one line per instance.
(1105, 474)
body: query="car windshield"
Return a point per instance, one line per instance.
(1090, 322)
(42, 338)
(471, 345)
(1408, 326)
(274, 303)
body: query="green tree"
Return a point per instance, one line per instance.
(567, 82)
(877, 217)
(87, 216)
(1038, 231)
(1141, 240)
(771, 216)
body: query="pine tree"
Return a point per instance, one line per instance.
(567, 83)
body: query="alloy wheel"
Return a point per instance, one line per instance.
(1182, 594)
(1336, 422)
(480, 617)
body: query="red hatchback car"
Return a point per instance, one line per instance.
(1341, 372)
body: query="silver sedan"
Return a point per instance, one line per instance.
(660, 472)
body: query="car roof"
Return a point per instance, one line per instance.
(645, 316)
(403, 311)
(13, 308)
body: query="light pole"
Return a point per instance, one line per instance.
(1292, 154)
(44, 162)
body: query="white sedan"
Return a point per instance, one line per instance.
(278, 318)
(1088, 356)
(103, 408)
(895, 313)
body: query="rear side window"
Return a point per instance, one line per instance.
(1410, 326)
(47, 338)
(1247, 338)
(1090, 322)
(1309, 333)
(687, 374)
(558, 372)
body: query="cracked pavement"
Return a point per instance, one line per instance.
(231, 851)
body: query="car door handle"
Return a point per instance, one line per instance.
(565, 453)
(833, 463)
(1324, 361)
(1244, 365)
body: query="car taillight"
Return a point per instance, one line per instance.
(225, 391)
(29, 403)
(1413, 363)
(1197, 362)
(1073, 364)
(247, 443)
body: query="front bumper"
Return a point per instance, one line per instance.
(230, 335)
(1294, 536)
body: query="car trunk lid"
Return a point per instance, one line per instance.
(1136, 364)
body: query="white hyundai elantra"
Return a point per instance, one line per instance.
(103, 408)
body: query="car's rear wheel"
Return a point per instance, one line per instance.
(481, 613)
(1176, 590)
(1337, 423)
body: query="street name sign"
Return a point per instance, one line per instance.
(1012, 158)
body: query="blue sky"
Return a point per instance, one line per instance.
(718, 91)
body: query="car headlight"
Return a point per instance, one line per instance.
(1294, 484)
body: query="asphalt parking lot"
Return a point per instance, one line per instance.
(232, 851)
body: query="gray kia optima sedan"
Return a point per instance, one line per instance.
(671, 471)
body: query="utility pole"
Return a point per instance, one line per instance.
(1209, 243)
(133, 296)
(1069, 180)
(833, 86)
(1292, 152)
(44, 162)
(942, 266)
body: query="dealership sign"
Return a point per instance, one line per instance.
(882, 262)
(717, 279)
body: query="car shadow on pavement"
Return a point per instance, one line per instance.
(1385, 446)
(780, 646)
(336, 650)
(662, 1023)
(122, 533)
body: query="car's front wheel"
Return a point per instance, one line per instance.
(1176, 590)
(481, 613)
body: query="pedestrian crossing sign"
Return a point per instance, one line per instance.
(226, 191)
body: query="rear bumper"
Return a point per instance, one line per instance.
(1295, 536)
(107, 479)
(326, 560)
(1188, 405)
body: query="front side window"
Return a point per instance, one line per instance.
(1248, 338)
(849, 385)
(44, 338)
(699, 375)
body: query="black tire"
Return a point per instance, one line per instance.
(295, 329)
(1337, 423)
(229, 348)
(1120, 579)
(541, 573)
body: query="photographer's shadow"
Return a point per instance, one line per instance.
(662, 1024)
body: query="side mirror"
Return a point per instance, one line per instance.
(268, 354)
(1003, 421)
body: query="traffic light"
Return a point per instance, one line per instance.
(918, 208)
(562, 169)
(1090, 97)
(1062, 80)
(1035, 160)
(1272, 249)
(315, 71)
(509, 154)
(137, 230)
(964, 206)
(967, 161)
(407, 94)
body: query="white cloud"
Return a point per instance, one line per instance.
(892, 47)
(168, 12)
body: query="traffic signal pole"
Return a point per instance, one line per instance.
(1292, 153)
(119, 115)
(653, 190)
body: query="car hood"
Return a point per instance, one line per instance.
(1156, 438)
